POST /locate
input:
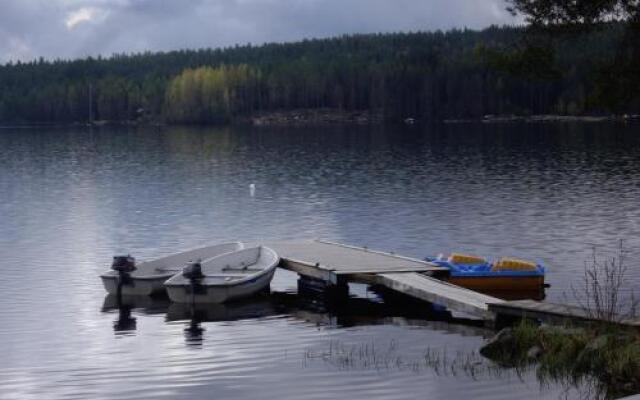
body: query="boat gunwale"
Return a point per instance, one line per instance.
(113, 274)
(235, 282)
(455, 271)
(142, 278)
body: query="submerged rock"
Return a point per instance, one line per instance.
(501, 347)
(534, 352)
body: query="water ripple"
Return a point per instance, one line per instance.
(69, 199)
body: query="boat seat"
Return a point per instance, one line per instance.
(162, 269)
(242, 269)
(513, 264)
(465, 259)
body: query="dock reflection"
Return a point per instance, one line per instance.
(319, 311)
(381, 306)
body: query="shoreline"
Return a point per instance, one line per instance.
(546, 118)
(606, 353)
(330, 117)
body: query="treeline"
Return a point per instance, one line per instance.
(429, 76)
(212, 95)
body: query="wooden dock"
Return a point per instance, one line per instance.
(436, 291)
(331, 261)
(335, 265)
(549, 312)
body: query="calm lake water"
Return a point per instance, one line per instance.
(71, 198)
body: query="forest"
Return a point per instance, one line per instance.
(429, 76)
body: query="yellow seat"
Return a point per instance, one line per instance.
(513, 264)
(465, 259)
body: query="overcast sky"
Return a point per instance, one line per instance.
(77, 28)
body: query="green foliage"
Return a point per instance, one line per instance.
(616, 78)
(557, 12)
(206, 94)
(428, 76)
(534, 62)
(609, 355)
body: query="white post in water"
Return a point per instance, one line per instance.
(252, 189)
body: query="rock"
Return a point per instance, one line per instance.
(500, 345)
(534, 352)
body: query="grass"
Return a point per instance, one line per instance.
(602, 357)
(604, 354)
(387, 357)
(604, 292)
(608, 357)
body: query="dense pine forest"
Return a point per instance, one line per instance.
(458, 74)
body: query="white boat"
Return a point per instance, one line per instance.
(226, 277)
(148, 277)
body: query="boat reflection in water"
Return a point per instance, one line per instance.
(321, 311)
(380, 306)
(250, 308)
(195, 314)
(125, 324)
(194, 333)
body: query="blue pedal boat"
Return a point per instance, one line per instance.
(507, 274)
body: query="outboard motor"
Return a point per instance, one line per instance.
(193, 272)
(124, 266)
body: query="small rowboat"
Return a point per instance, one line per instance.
(224, 278)
(147, 278)
(505, 275)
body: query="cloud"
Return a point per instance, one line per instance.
(84, 14)
(17, 48)
(78, 28)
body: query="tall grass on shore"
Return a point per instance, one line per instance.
(604, 293)
(606, 360)
(602, 354)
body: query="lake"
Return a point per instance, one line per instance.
(71, 198)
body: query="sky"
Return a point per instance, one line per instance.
(78, 28)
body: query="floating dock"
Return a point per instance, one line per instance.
(332, 262)
(332, 266)
(335, 265)
(549, 312)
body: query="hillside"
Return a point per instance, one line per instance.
(457, 74)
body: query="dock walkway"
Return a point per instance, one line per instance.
(328, 259)
(436, 291)
(549, 312)
(337, 264)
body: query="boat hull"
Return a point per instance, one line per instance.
(149, 277)
(498, 283)
(137, 286)
(219, 293)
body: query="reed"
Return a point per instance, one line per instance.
(604, 292)
(602, 355)
(387, 357)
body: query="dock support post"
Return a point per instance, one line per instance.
(328, 291)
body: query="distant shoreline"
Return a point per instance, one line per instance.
(545, 118)
(323, 116)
